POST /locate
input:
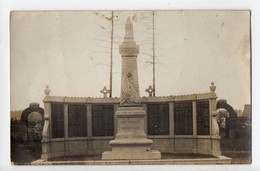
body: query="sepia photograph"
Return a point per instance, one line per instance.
(139, 87)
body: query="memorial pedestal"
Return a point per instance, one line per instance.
(131, 141)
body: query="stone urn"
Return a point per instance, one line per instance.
(212, 87)
(47, 90)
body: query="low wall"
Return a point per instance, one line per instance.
(96, 146)
(84, 126)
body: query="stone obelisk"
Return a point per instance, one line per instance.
(131, 140)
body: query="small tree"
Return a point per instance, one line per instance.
(150, 17)
(111, 32)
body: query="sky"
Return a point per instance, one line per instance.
(70, 52)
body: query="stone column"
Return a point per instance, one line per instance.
(66, 129)
(216, 151)
(129, 77)
(115, 118)
(171, 121)
(66, 121)
(194, 118)
(145, 118)
(171, 126)
(214, 129)
(89, 129)
(212, 108)
(89, 120)
(46, 132)
(131, 140)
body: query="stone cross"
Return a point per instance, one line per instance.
(150, 90)
(105, 91)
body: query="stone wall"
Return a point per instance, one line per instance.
(166, 141)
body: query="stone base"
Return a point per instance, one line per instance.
(131, 144)
(216, 153)
(217, 160)
(131, 141)
(110, 155)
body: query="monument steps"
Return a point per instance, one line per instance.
(203, 161)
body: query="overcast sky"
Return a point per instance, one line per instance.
(69, 51)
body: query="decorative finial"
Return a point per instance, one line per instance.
(212, 87)
(105, 91)
(150, 90)
(47, 90)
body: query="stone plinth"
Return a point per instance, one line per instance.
(131, 141)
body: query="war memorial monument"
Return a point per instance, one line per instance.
(131, 128)
(131, 141)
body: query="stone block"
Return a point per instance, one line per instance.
(164, 145)
(183, 145)
(216, 151)
(131, 141)
(80, 145)
(104, 144)
(57, 146)
(110, 155)
(204, 143)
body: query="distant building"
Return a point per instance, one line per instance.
(247, 110)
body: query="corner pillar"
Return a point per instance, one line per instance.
(214, 128)
(46, 133)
